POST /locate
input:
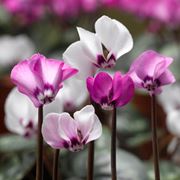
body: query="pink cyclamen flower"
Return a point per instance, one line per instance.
(26, 10)
(150, 71)
(62, 131)
(101, 49)
(40, 78)
(110, 92)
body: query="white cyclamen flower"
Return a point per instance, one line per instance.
(21, 117)
(100, 49)
(73, 94)
(14, 49)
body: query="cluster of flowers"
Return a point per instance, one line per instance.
(31, 10)
(164, 11)
(40, 79)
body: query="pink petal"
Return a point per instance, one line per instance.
(68, 71)
(167, 78)
(146, 63)
(67, 127)
(127, 91)
(50, 131)
(102, 85)
(162, 66)
(49, 70)
(23, 77)
(116, 85)
(85, 120)
(90, 84)
(137, 81)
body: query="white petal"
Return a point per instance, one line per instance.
(76, 56)
(74, 97)
(18, 106)
(92, 42)
(56, 106)
(67, 126)
(96, 130)
(114, 36)
(85, 120)
(173, 124)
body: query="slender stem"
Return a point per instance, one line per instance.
(154, 138)
(39, 165)
(55, 164)
(113, 146)
(90, 161)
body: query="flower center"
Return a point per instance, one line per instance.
(76, 143)
(105, 63)
(46, 96)
(29, 128)
(150, 84)
(106, 104)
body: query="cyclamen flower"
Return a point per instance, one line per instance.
(150, 71)
(101, 49)
(22, 119)
(110, 92)
(40, 78)
(73, 94)
(27, 10)
(62, 131)
(11, 49)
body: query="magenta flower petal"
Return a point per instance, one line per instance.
(50, 131)
(150, 71)
(108, 92)
(25, 80)
(102, 85)
(117, 84)
(161, 67)
(127, 91)
(41, 78)
(145, 64)
(68, 71)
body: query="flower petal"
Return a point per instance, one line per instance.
(146, 63)
(85, 120)
(92, 42)
(67, 127)
(14, 114)
(167, 78)
(77, 57)
(49, 70)
(173, 124)
(23, 77)
(114, 36)
(102, 85)
(96, 130)
(127, 91)
(68, 71)
(162, 66)
(117, 85)
(50, 131)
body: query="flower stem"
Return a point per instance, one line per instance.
(55, 164)
(113, 146)
(154, 138)
(39, 165)
(90, 161)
